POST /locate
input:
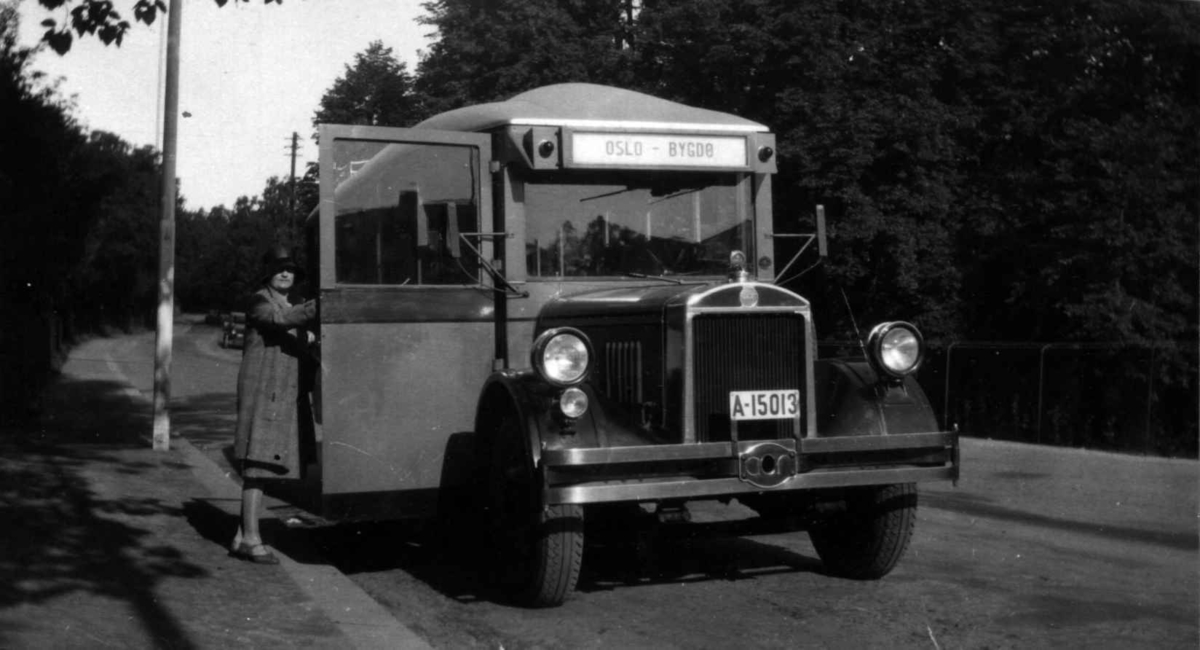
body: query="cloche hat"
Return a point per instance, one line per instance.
(276, 259)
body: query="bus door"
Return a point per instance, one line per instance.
(407, 320)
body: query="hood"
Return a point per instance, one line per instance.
(655, 299)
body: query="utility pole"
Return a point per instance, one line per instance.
(166, 244)
(297, 232)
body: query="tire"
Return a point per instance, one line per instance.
(539, 548)
(867, 540)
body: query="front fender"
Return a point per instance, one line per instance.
(852, 400)
(536, 405)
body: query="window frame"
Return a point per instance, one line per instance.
(329, 134)
(745, 188)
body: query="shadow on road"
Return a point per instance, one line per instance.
(679, 557)
(454, 567)
(974, 506)
(207, 420)
(65, 531)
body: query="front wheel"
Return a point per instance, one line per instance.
(539, 547)
(867, 540)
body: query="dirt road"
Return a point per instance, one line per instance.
(1036, 548)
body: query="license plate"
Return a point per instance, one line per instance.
(764, 404)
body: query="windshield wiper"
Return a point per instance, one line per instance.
(497, 276)
(643, 276)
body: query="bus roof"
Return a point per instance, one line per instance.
(582, 105)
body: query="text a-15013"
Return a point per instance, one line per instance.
(764, 404)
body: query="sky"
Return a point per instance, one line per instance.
(251, 74)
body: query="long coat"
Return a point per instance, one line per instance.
(270, 403)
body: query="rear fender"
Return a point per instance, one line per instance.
(852, 400)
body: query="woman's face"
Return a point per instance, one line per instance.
(283, 280)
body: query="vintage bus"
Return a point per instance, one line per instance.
(537, 308)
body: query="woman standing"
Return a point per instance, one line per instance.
(273, 413)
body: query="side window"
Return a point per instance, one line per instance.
(399, 211)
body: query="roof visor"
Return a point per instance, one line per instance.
(579, 125)
(590, 106)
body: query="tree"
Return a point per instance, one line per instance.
(219, 252)
(867, 133)
(856, 95)
(375, 91)
(116, 276)
(710, 53)
(1086, 183)
(75, 209)
(101, 19)
(488, 50)
(45, 190)
(202, 258)
(33, 159)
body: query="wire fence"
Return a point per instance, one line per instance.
(1130, 398)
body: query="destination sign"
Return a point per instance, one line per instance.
(657, 150)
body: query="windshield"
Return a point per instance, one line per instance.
(635, 224)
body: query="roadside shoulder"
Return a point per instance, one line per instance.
(365, 622)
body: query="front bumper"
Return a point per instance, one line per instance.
(716, 469)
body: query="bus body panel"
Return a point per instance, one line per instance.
(393, 396)
(407, 326)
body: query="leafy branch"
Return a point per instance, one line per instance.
(101, 19)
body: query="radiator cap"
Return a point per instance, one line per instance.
(737, 267)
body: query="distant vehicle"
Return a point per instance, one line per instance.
(234, 334)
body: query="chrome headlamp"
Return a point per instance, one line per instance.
(895, 349)
(573, 402)
(562, 356)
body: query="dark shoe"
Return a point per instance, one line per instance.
(246, 552)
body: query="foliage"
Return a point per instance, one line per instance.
(374, 91)
(487, 50)
(220, 251)
(101, 19)
(73, 223)
(115, 279)
(43, 210)
(1092, 120)
(864, 130)
(991, 170)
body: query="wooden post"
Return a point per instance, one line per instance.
(166, 244)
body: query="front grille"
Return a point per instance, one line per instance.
(745, 351)
(623, 372)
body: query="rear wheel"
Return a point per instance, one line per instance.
(867, 540)
(539, 547)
